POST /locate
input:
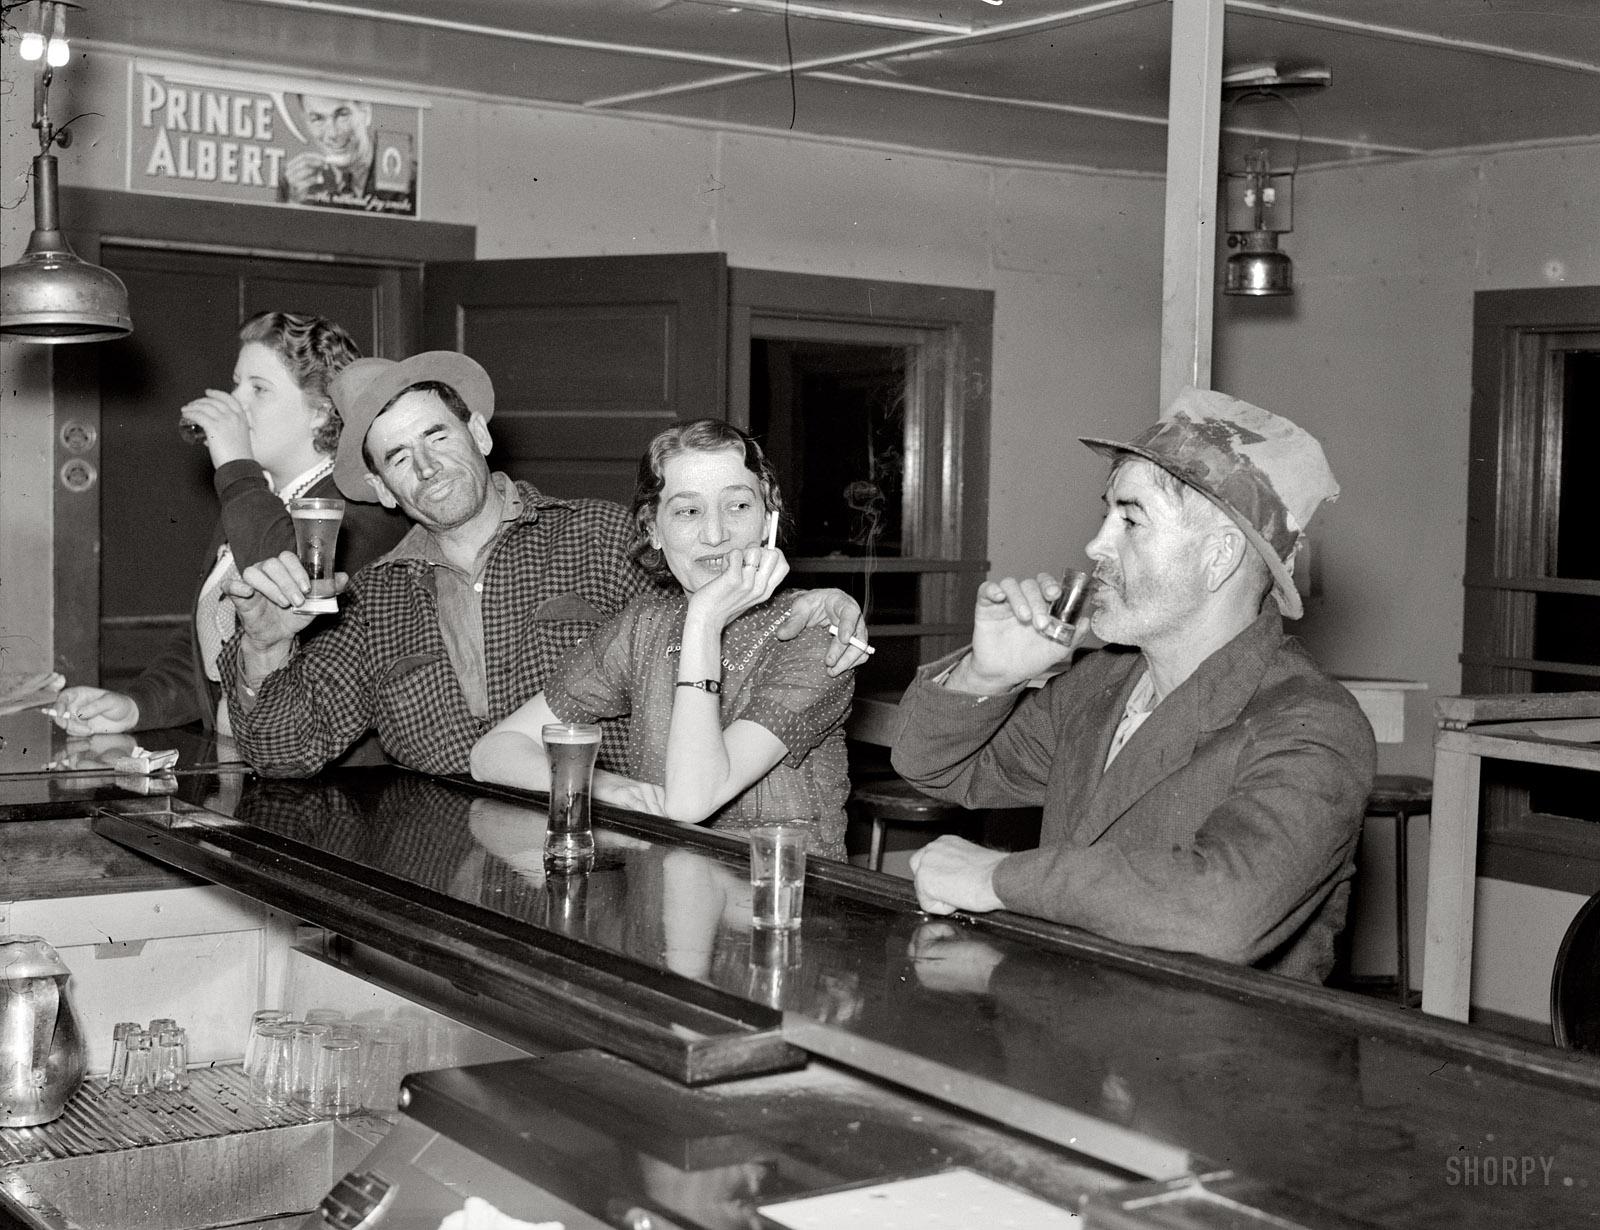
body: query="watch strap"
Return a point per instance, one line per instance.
(713, 686)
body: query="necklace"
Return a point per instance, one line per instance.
(764, 631)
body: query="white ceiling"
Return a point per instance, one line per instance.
(1054, 82)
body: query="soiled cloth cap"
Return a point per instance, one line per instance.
(363, 388)
(1266, 473)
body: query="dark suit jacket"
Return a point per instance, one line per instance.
(1227, 825)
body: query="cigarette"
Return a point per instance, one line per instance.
(833, 630)
(771, 539)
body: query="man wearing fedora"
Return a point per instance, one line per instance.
(466, 617)
(1202, 781)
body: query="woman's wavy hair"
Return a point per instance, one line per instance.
(696, 436)
(315, 350)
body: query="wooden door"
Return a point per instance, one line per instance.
(154, 488)
(128, 485)
(590, 357)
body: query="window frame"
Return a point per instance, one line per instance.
(1519, 341)
(946, 484)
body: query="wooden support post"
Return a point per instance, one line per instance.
(1194, 106)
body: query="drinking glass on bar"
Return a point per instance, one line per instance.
(139, 1074)
(252, 1046)
(382, 1069)
(308, 1039)
(272, 1080)
(569, 838)
(172, 1060)
(1076, 589)
(316, 535)
(119, 1051)
(777, 875)
(336, 1083)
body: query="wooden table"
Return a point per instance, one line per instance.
(1559, 729)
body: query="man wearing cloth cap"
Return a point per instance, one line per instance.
(1202, 781)
(466, 618)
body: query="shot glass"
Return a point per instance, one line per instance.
(138, 1076)
(336, 1082)
(119, 1051)
(172, 1060)
(569, 837)
(316, 535)
(1065, 612)
(777, 875)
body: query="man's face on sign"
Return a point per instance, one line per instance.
(340, 127)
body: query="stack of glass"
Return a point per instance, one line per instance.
(324, 1063)
(147, 1059)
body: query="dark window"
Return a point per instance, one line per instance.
(1532, 614)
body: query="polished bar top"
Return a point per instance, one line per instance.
(45, 777)
(1373, 1112)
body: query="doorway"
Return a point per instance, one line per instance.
(154, 488)
(125, 480)
(1532, 584)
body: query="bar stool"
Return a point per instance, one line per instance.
(1575, 983)
(1401, 795)
(892, 800)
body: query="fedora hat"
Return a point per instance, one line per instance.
(363, 388)
(1264, 472)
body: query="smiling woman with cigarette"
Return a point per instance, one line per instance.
(728, 725)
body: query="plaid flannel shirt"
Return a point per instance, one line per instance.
(384, 666)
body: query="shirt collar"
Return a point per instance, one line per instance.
(302, 483)
(419, 544)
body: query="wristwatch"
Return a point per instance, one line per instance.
(714, 686)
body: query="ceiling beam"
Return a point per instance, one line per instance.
(1497, 50)
(1005, 29)
(1107, 113)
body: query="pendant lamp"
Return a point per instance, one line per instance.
(52, 296)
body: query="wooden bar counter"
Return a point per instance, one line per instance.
(1128, 1066)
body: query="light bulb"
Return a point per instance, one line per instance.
(58, 54)
(32, 45)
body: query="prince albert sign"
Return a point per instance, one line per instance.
(233, 136)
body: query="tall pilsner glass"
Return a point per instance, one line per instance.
(569, 839)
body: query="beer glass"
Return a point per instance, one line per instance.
(569, 839)
(316, 534)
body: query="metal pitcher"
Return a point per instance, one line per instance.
(41, 1050)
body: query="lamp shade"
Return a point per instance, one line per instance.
(51, 296)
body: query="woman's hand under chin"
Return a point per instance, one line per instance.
(751, 577)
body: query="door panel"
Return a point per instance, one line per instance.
(157, 503)
(590, 357)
